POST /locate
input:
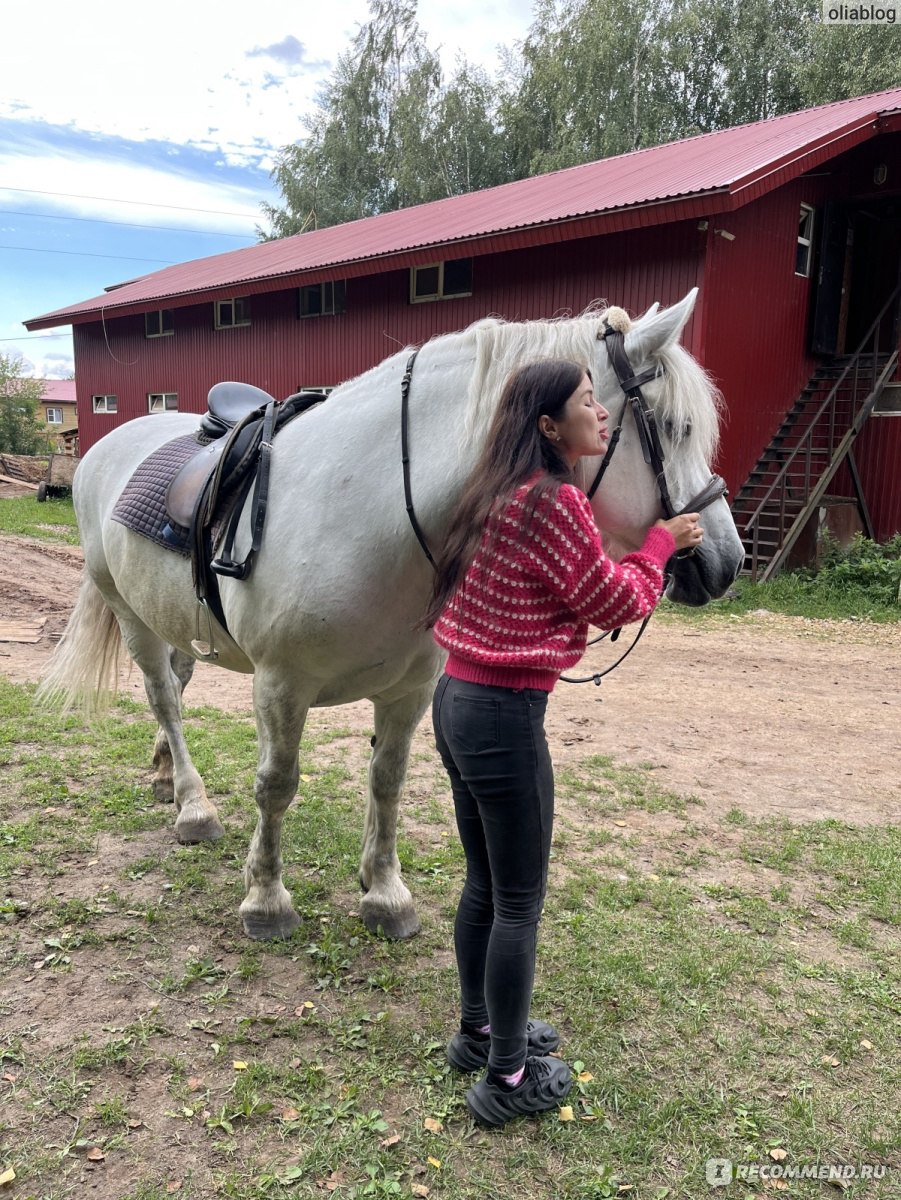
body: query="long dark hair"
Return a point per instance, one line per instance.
(514, 451)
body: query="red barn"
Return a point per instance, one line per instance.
(790, 227)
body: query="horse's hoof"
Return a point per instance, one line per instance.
(164, 791)
(392, 925)
(202, 829)
(269, 928)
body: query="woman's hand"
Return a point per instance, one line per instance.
(685, 529)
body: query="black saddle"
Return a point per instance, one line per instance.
(229, 403)
(210, 489)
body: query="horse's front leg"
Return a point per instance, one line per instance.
(163, 781)
(267, 910)
(388, 905)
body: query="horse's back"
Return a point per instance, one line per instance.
(110, 463)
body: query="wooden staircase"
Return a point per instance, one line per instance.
(816, 437)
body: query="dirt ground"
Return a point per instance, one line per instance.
(777, 716)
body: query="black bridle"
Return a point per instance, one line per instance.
(651, 448)
(652, 452)
(646, 425)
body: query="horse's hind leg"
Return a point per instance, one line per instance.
(163, 782)
(267, 911)
(197, 819)
(388, 904)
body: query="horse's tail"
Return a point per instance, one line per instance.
(83, 672)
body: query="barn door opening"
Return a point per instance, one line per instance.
(830, 300)
(859, 267)
(875, 271)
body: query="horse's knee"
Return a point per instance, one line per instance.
(275, 787)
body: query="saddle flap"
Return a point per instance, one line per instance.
(184, 490)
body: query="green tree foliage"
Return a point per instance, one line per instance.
(847, 61)
(387, 133)
(21, 430)
(591, 79)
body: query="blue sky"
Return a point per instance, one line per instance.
(130, 142)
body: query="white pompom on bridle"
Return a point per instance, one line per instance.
(618, 319)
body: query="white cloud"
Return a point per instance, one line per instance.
(95, 186)
(182, 83)
(175, 71)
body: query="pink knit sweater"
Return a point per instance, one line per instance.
(521, 614)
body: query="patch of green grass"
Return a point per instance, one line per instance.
(857, 867)
(708, 1020)
(52, 521)
(605, 787)
(862, 582)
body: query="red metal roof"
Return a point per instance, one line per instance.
(725, 169)
(58, 391)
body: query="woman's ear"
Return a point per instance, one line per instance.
(547, 427)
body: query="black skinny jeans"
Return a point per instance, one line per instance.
(492, 743)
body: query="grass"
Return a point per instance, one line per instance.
(53, 521)
(862, 582)
(707, 1019)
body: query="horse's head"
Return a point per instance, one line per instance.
(686, 407)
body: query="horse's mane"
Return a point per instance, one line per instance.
(689, 400)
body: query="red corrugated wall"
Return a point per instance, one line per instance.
(279, 352)
(755, 339)
(755, 342)
(750, 330)
(878, 456)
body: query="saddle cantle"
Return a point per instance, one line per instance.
(229, 403)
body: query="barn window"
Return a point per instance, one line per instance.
(54, 416)
(804, 253)
(324, 299)
(441, 281)
(105, 404)
(231, 313)
(162, 402)
(160, 323)
(318, 390)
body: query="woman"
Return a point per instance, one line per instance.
(521, 576)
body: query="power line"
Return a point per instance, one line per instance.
(35, 337)
(14, 212)
(169, 262)
(216, 212)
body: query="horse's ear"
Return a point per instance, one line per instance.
(659, 328)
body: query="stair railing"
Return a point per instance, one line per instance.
(864, 369)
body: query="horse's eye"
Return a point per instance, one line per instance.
(670, 429)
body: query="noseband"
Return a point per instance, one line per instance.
(652, 452)
(646, 425)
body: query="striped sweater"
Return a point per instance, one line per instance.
(520, 616)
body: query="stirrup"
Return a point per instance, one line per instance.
(204, 650)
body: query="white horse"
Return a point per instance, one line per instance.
(329, 614)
